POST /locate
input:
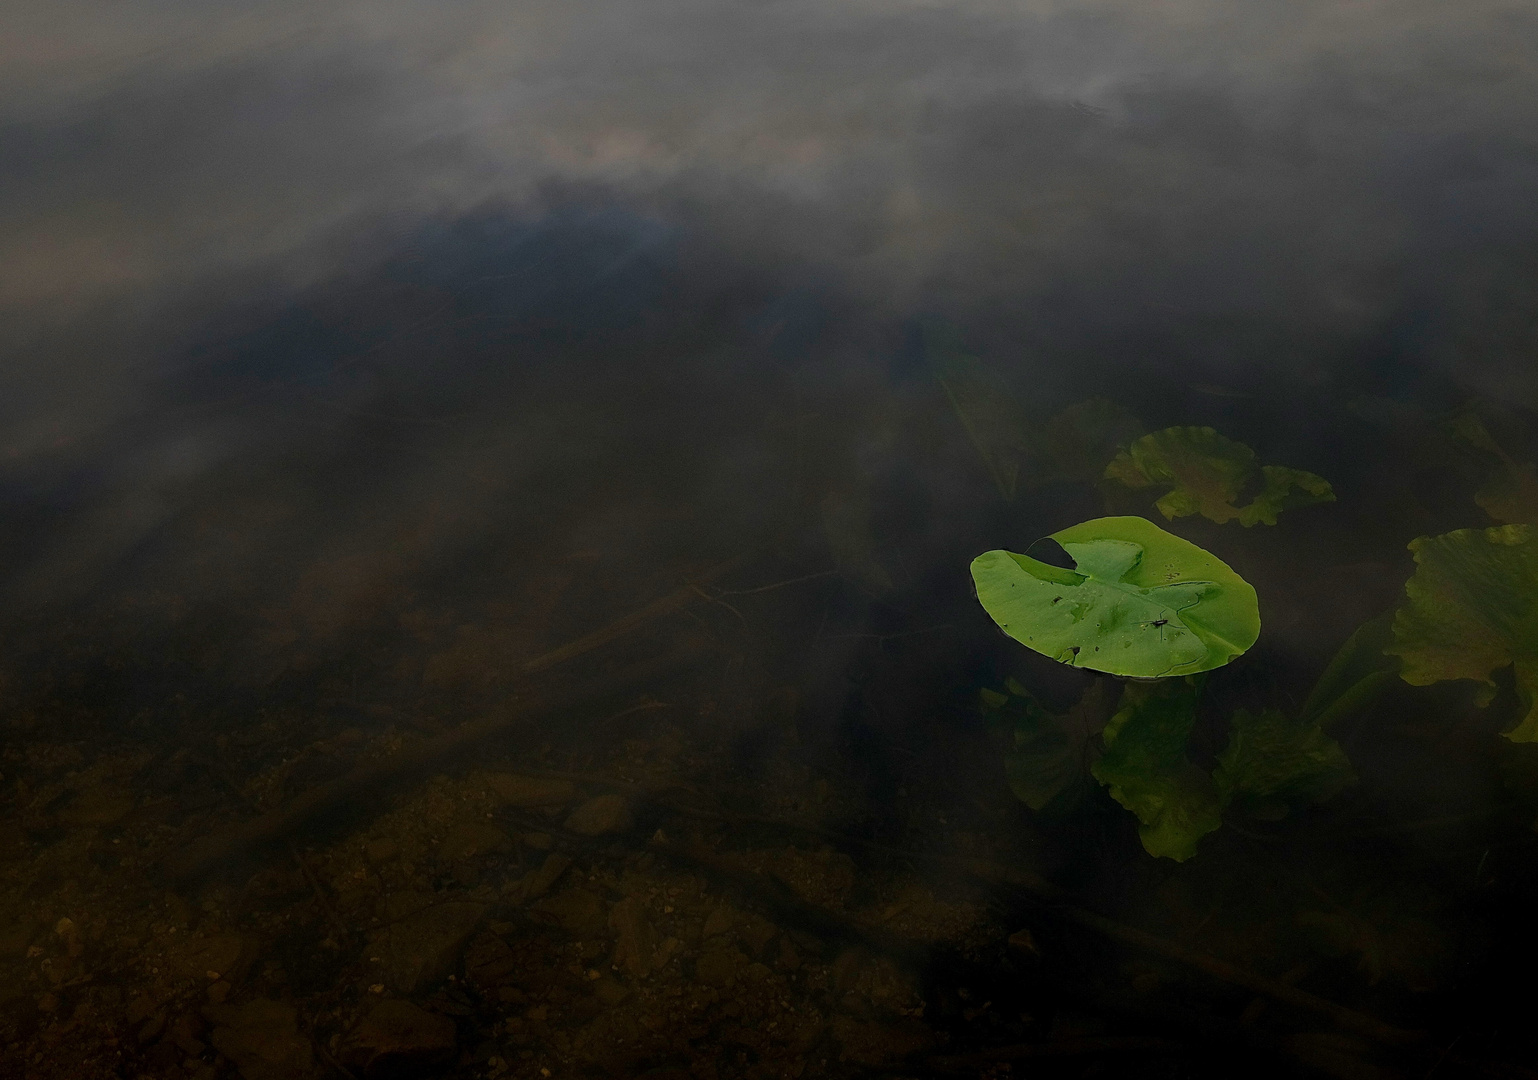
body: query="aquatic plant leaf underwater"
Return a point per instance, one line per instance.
(1048, 752)
(1470, 609)
(1019, 452)
(1141, 602)
(1272, 761)
(1146, 769)
(1357, 673)
(1510, 491)
(1270, 764)
(1207, 473)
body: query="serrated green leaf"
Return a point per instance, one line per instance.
(1146, 769)
(1471, 608)
(1271, 761)
(1285, 489)
(1141, 601)
(1207, 473)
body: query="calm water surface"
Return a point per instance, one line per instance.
(488, 493)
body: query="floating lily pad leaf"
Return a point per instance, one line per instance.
(1272, 761)
(1471, 608)
(1355, 676)
(1049, 752)
(1510, 491)
(1147, 771)
(994, 420)
(1207, 473)
(1141, 602)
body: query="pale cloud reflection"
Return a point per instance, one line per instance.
(1325, 165)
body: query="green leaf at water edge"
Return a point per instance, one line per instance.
(1141, 602)
(1147, 771)
(1471, 608)
(1272, 761)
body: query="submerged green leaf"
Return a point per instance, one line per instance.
(1207, 473)
(1355, 675)
(1285, 489)
(1510, 491)
(1206, 470)
(1147, 771)
(1141, 601)
(1049, 752)
(1471, 608)
(1271, 761)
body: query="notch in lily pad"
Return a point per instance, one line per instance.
(1140, 602)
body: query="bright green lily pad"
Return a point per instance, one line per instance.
(1146, 769)
(1142, 602)
(1207, 473)
(1471, 608)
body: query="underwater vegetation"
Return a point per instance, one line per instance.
(1510, 491)
(1154, 612)
(1206, 473)
(1152, 607)
(1472, 609)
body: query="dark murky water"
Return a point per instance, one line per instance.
(488, 508)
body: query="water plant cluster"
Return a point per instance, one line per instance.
(1154, 613)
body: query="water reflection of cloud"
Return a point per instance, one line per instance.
(1071, 137)
(1204, 184)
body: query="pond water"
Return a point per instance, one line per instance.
(489, 499)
